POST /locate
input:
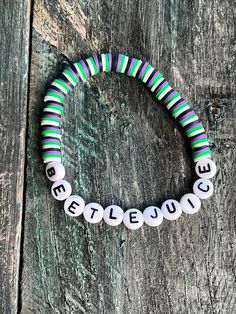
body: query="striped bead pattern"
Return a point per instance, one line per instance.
(120, 63)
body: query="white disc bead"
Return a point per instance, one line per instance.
(74, 205)
(153, 216)
(205, 168)
(93, 213)
(61, 189)
(55, 171)
(113, 215)
(171, 209)
(190, 203)
(203, 188)
(133, 219)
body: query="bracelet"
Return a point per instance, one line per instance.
(113, 215)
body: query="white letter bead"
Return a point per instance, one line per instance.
(205, 168)
(55, 171)
(113, 215)
(203, 188)
(61, 189)
(190, 203)
(133, 219)
(93, 213)
(74, 205)
(153, 216)
(171, 209)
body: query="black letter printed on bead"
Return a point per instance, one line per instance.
(51, 172)
(190, 202)
(201, 189)
(94, 210)
(155, 210)
(110, 216)
(204, 169)
(71, 207)
(59, 187)
(169, 210)
(131, 218)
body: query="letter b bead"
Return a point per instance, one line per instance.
(55, 171)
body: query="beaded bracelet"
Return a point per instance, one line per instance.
(113, 215)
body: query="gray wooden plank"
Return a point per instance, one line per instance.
(122, 147)
(14, 54)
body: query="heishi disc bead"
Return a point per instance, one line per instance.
(153, 216)
(61, 189)
(113, 215)
(74, 205)
(133, 219)
(203, 188)
(93, 213)
(190, 203)
(205, 168)
(171, 209)
(55, 171)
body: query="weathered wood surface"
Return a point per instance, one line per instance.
(120, 147)
(14, 54)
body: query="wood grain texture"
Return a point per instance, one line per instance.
(121, 147)
(14, 54)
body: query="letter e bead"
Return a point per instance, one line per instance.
(61, 189)
(205, 168)
(74, 205)
(133, 219)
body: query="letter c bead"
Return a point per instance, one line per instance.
(113, 215)
(171, 209)
(133, 219)
(61, 189)
(203, 188)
